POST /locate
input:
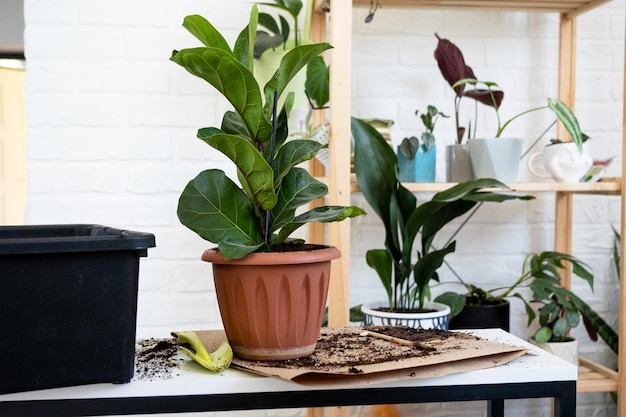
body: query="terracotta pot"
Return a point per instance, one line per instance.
(272, 304)
(437, 319)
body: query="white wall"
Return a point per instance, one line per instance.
(112, 122)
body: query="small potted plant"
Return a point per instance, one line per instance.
(406, 281)
(485, 308)
(491, 157)
(251, 223)
(561, 310)
(417, 162)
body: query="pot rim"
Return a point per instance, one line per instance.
(369, 308)
(317, 253)
(568, 339)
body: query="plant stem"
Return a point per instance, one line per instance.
(501, 128)
(268, 213)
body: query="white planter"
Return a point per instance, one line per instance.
(438, 319)
(497, 158)
(562, 162)
(565, 350)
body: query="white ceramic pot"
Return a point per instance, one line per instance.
(437, 319)
(497, 158)
(562, 162)
(567, 350)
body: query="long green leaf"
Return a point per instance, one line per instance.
(297, 189)
(601, 327)
(225, 73)
(243, 50)
(426, 268)
(205, 32)
(569, 120)
(463, 189)
(375, 167)
(381, 262)
(324, 214)
(290, 65)
(256, 173)
(293, 153)
(317, 81)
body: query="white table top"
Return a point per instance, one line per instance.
(191, 379)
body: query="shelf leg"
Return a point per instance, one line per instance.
(495, 408)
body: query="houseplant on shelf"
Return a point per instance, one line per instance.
(453, 68)
(252, 223)
(540, 274)
(406, 282)
(491, 157)
(561, 310)
(417, 162)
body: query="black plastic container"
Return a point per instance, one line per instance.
(68, 305)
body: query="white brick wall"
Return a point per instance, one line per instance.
(111, 140)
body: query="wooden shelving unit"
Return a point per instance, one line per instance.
(592, 376)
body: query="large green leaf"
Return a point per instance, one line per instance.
(426, 268)
(293, 153)
(462, 189)
(454, 300)
(253, 169)
(569, 120)
(324, 214)
(293, 61)
(231, 124)
(217, 210)
(375, 168)
(381, 262)
(297, 189)
(243, 49)
(205, 32)
(224, 72)
(318, 81)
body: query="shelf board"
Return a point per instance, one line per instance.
(607, 186)
(593, 377)
(570, 8)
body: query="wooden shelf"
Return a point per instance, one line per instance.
(593, 377)
(570, 8)
(607, 186)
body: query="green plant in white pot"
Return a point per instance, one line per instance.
(254, 219)
(404, 270)
(561, 309)
(541, 273)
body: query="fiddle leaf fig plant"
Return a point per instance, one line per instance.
(259, 213)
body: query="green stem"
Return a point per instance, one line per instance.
(501, 129)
